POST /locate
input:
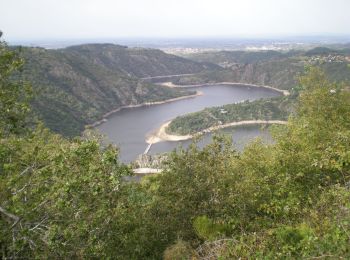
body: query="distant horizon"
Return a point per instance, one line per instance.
(168, 19)
(184, 37)
(185, 42)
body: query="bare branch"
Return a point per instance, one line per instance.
(324, 256)
(39, 224)
(344, 229)
(9, 215)
(25, 170)
(16, 222)
(20, 190)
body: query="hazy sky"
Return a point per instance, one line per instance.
(40, 19)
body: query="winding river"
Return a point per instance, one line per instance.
(129, 127)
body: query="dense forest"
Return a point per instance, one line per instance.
(67, 198)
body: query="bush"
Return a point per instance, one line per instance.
(179, 251)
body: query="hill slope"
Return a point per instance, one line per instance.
(138, 62)
(280, 70)
(229, 58)
(75, 86)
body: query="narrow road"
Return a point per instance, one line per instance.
(168, 76)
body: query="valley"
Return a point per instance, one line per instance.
(112, 87)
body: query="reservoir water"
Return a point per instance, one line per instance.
(129, 127)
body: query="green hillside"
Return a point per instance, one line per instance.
(280, 70)
(229, 58)
(75, 86)
(138, 62)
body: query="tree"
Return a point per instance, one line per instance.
(14, 94)
(58, 197)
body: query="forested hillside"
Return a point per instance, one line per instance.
(277, 69)
(67, 199)
(77, 85)
(229, 58)
(138, 62)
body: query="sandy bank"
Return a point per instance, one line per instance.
(160, 135)
(104, 117)
(172, 85)
(146, 171)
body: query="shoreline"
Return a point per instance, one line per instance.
(104, 117)
(172, 85)
(160, 135)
